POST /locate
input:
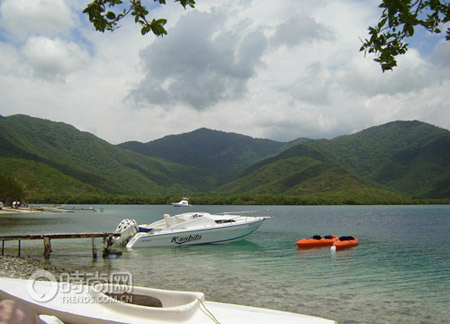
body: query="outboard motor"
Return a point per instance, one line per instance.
(127, 229)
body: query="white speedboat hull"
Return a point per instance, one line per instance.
(85, 305)
(183, 203)
(179, 237)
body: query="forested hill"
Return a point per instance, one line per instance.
(220, 153)
(49, 158)
(409, 157)
(381, 164)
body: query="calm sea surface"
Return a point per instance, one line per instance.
(399, 273)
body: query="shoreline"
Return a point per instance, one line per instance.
(20, 210)
(23, 268)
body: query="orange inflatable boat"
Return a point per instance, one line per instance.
(345, 242)
(317, 241)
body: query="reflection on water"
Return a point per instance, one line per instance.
(399, 273)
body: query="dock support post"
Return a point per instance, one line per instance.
(105, 246)
(94, 249)
(107, 243)
(47, 247)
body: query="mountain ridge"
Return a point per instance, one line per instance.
(84, 157)
(215, 151)
(386, 163)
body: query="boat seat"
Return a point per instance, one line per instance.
(170, 221)
(141, 300)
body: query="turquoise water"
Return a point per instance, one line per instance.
(400, 272)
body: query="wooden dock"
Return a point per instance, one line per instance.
(107, 241)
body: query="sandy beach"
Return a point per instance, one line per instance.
(20, 210)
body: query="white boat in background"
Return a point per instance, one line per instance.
(80, 304)
(182, 203)
(187, 229)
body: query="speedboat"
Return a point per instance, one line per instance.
(317, 241)
(188, 229)
(182, 203)
(118, 303)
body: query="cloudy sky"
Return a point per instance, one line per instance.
(268, 69)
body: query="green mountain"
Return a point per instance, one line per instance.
(218, 153)
(411, 158)
(310, 178)
(383, 164)
(50, 158)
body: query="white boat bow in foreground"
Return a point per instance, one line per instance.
(188, 229)
(85, 305)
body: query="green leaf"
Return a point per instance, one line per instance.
(382, 22)
(95, 10)
(110, 15)
(157, 27)
(161, 22)
(145, 29)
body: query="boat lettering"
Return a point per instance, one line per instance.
(185, 239)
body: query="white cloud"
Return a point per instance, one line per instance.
(441, 56)
(273, 69)
(364, 77)
(9, 59)
(33, 17)
(200, 64)
(300, 29)
(315, 85)
(54, 58)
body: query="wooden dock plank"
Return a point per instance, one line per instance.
(107, 240)
(56, 236)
